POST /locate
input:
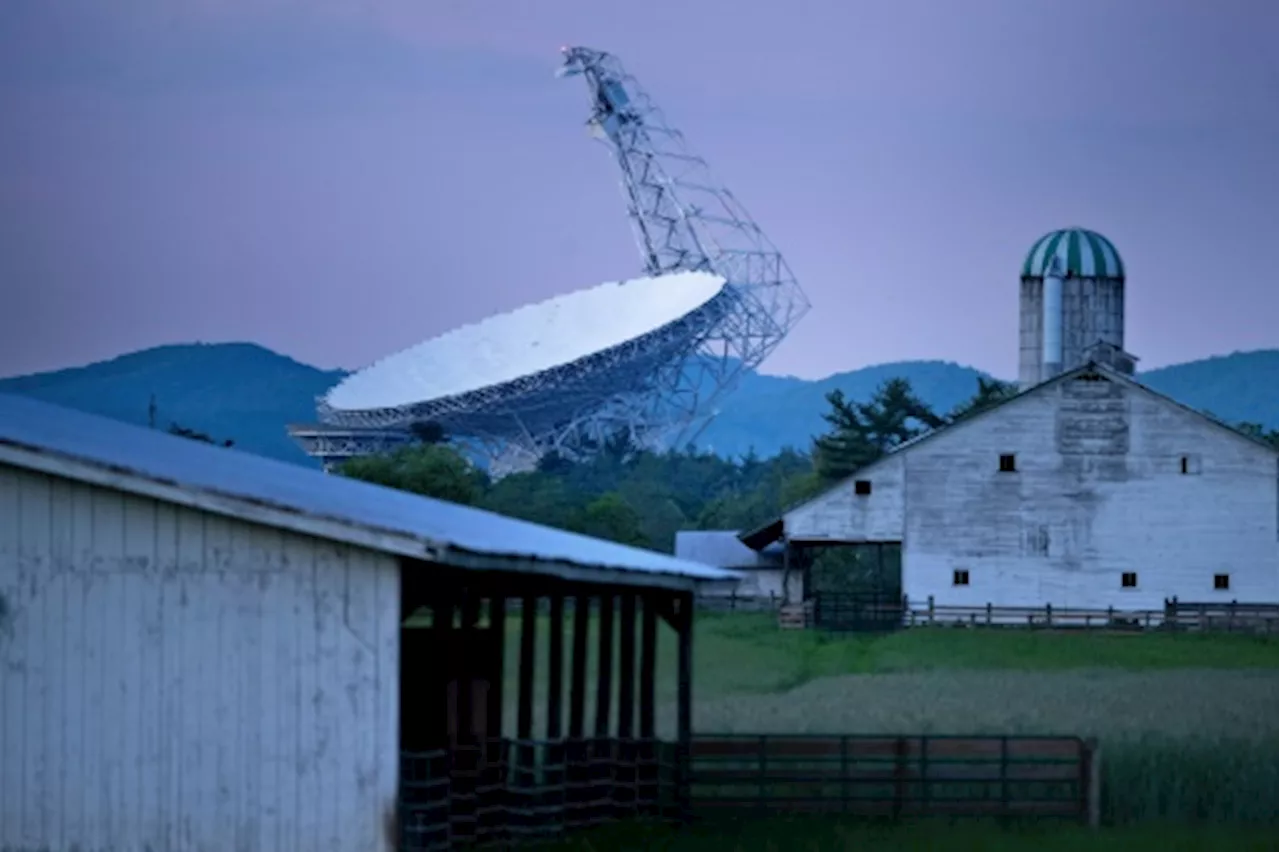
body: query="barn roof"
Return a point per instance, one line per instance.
(60, 441)
(767, 533)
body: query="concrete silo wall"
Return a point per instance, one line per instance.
(1092, 311)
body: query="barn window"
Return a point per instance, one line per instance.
(1222, 582)
(1008, 463)
(862, 487)
(960, 577)
(1189, 464)
(1129, 580)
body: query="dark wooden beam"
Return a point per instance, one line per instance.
(555, 669)
(528, 640)
(578, 677)
(468, 652)
(442, 607)
(684, 697)
(497, 637)
(604, 666)
(648, 665)
(627, 666)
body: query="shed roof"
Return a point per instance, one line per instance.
(723, 549)
(89, 448)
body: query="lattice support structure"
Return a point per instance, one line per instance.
(659, 390)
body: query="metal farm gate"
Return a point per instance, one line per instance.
(859, 612)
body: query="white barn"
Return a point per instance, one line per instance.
(1087, 491)
(200, 649)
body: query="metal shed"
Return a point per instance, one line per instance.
(202, 649)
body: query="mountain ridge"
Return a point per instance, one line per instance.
(247, 393)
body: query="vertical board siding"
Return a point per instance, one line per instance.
(175, 680)
(1081, 511)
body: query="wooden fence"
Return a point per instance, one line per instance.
(851, 612)
(908, 776)
(504, 791)
(734, 602)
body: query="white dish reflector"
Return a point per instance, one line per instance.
(531, 339)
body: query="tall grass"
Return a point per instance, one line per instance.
(1207, 779)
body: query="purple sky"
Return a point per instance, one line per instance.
(337, 179)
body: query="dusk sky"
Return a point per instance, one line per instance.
(338, 179)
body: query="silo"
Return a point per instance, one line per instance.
(1072, 306)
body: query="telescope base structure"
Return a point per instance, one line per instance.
(629, 419)
(333, 445)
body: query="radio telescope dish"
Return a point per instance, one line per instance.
(527, 381)
(652, 357)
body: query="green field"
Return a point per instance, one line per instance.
(1187, 722)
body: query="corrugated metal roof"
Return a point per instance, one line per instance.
(723, 549)
(130, 453)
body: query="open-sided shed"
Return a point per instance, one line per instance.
(206, 650)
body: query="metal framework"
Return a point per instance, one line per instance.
(661, 389)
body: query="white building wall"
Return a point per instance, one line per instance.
(1098, 492)
(173, 680)
(841, 515)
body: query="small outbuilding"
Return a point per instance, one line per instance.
(203, 650)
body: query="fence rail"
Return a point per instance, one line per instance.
(899, 776)
(852, 612)
(734, 602)
(504, 791)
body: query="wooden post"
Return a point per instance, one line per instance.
(648, 791)
(684, 699)
(988, 613)
(555, 670)
(578, 675)
(930, 610)
(575, 753)
(604, 666)
(627, 701)
(1048, 615)
(524, 709)
(466, 680)
(1093, 810)
(497, 669)
(602, 749)
(553, 769)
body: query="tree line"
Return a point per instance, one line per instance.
(638, 497)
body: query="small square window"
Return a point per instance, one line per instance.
(960, 577)
(862, 487)
(1008, 463)
(1129, 580)
(1222, 582)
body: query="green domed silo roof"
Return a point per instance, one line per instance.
(1083, 254)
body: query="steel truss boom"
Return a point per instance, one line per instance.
(684, 219)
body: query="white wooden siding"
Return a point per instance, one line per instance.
(173, 680)
(1067, 525)
(842, 515)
